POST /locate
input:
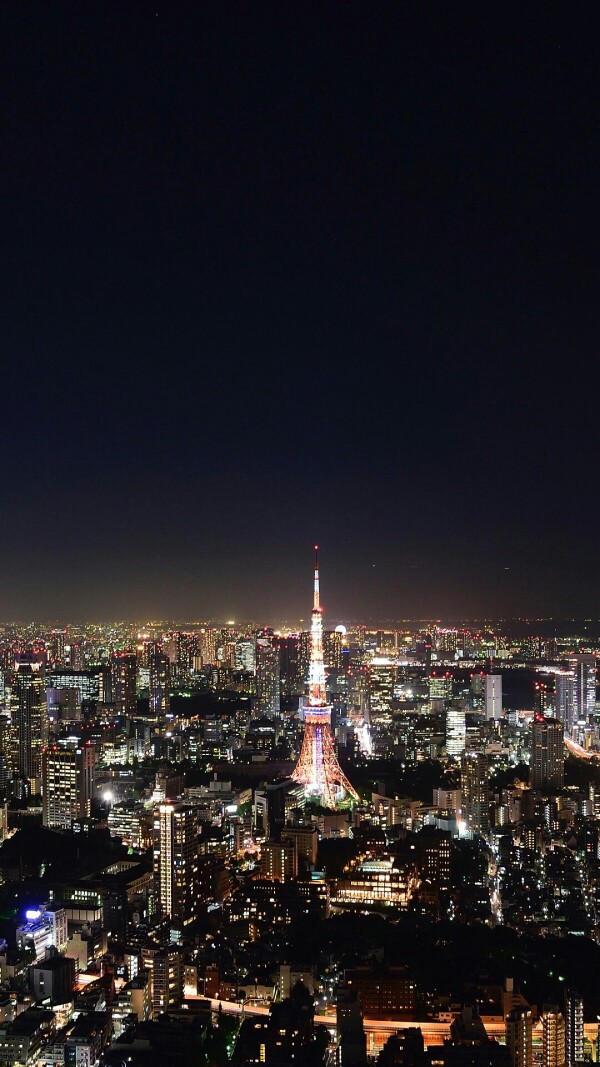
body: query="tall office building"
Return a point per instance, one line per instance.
(268, 695)
(304, 650)
(553, 1037)
(166, 967)
(573, 1028)
(383, 676)
(279, 861)
(67, 785)
(332, 650)
(439, 687)
(564, 698)
(159, 681)
(350, 1027)
(58, 646)
(245, 655)
(94, 683)
(456, 729)
(6, 753)
(289, 670)
(519, 1036)
(584, 689)
(29, 718)
(547, 754)
(124, 682)
(434, 857)
(207, 644)
(493, 696)
(176, 878)
(475, 788)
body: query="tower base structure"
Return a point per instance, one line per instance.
(318, 768)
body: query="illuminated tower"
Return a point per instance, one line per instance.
(317, 767)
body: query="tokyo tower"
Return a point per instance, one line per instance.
(317, 767)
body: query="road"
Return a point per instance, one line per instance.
(377, 1030)
(578, 750)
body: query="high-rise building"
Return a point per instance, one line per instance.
(67, 785)
(29, 718)
(564, 698)
(289, 670)
(350, 1027)
(383, 675)
(176, 862)
(439, 687)
(305, 839)
(493, 696)
(124, 682)
(94, 683)
(475, 787)
(279, 861)
(434, 852)
(166, 968)
(304, 650)
(456, 729)
(519, 1036)
(58, 646)
(245, 655)
(573, 1028)
(547, 754)
(553, 1037)
(268, 695)
(332, 650)
(159, 682)
(207, 645)
(584, 690)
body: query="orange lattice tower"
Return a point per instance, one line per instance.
(317, 767)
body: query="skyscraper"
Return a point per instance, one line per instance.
(584, 689)
(493, 696)
(176, 862)
(332, 650)
(289, 671)
(573, 1027)
(456, 729)
(268, 696)
(383, 675)
(159, 681)
(67, 784)
(304, 647)
(124, 682)
(564, 699)
(475, 787)
(547, 754)
(553, 1037)
(245, 654)
(519, 1036)
(29, 718)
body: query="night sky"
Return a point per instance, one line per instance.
(280, 273)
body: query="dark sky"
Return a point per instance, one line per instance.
(284, 272)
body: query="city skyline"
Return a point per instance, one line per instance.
(299, 607)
